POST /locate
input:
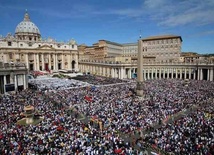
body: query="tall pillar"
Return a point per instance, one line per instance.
(24, 81)
(198, 78)
(5, 82)
(167, 73)
(172, 72)
(103, 71)
(112, 72)
(144, 74)
(201, 74)
(211, 74)
(119, 73)
(140, 69)
(43, 61)
(26, 60)
(181, 72)
(56, 62)
(37, 61)
(49, 61)
(176, 73)
(208, 74)
(15, 82)
(34, 62)
(129, 73)
(122, 73)
(160, 72)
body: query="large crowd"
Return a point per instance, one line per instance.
(113, 111)
(192, 134)
(50, 83)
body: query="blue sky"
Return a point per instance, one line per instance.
(122, 21)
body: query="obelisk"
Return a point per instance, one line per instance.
(139, 88)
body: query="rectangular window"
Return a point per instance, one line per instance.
(9, 43)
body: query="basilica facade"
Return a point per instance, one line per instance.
(27, 46)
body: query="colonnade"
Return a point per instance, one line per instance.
(151, 72)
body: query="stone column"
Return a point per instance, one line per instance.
(26, 60)
(37, 60)
(156, 73)
(15, 82)
(129, 73)
(185, 73)
(164, 72)
(34, 61)
(160, 72)
(167, 73)
(24, 81)
(56, 63)
(144, 74)
(49, 61)
(5, 82)
(112, 72)
(103, 71)
(194, 75)
(181, 72)
(198, 78)
(43, 61)
(208, 74)
(140, 69)
(211, 74)
(172, 73)
(201, 74)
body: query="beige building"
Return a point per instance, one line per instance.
(130, 49)
(161, 59)
(105, 49)
(28, 47)
(164, 48)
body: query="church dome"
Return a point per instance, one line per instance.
(26, 26)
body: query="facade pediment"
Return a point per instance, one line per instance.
(46, 47)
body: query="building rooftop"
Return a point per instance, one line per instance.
(161, 37)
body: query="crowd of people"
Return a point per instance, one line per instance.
(49, 83)
(191, 134)
(97, 80)
(114, 115)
